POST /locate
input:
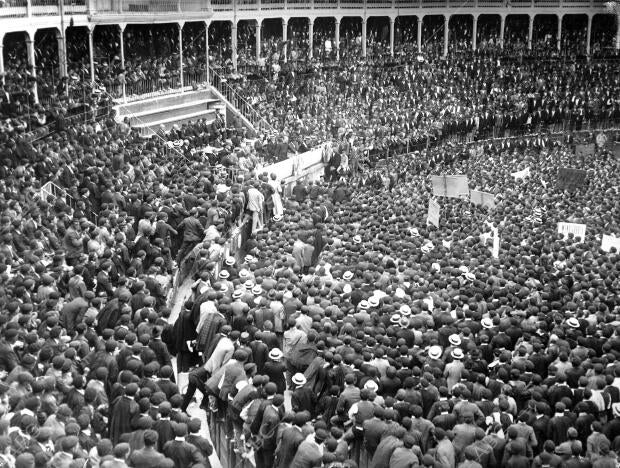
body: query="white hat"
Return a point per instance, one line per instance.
(244, 273)
(237, 294)
(249, 284)
(347, 289)
(248, 259)
(454, 339)
(224, 274)
(405, 310)
(277, 218)
(373, 301)
(363, 305)
(257, 290)
(275, 354)
(435, 266)
(347, 275)
(395, 318)
(463, 269)
(434, 352)
(230, 261)
(426, 248)
(371, 385)
(399, 293)
(299, 379)
(457, 353)
(357, 239)
(486, 323)
(573, 322)
(470, 276)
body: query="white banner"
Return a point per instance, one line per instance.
(495, 251)
(482, 198)
(578, 230)
(455, 186)
(521, 174)
(433, 213)
(610, 241)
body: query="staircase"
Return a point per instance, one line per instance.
(149, 115)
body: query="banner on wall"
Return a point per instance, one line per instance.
(577, 230)
(455, 186)
(433, 213)
(610, 241)
(569, 178)
(482, 198)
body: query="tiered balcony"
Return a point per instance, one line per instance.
(130, 8)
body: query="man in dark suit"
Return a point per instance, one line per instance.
(268, 432)
(291, 438)
(148, 456)
(201, 443)
(8, 357)
(303, 398)
(182, 452)
(310, 451)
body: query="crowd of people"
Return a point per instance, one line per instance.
(348, 331)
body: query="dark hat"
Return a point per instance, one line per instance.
(180, 430)
(321, 435)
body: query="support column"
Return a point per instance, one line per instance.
(285, 38)
(420, 25)
(588, 35)
(259, 24)
(337, 38)
(530, 32)
(559, 37)
(181, 24)
(474, 34)
(32, 62)
(310, 37)
(502, 29)
(446, 34)
(233, 40)
(122, 26)
(364, 23)
(62, 54)
(91, 52)
(207, 24)
(392, 22)
(2, 58)
(617, 32)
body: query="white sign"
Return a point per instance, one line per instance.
(610, 241)
(521, 174)
(577, 230)
(495, 251)
(454, 186)
(433, 213)
(482, 198)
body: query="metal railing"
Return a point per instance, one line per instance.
(220, 84)
(28, 8)
(50, 189)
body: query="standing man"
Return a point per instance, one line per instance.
(256, 205)
(268, 432)
(193, 233)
